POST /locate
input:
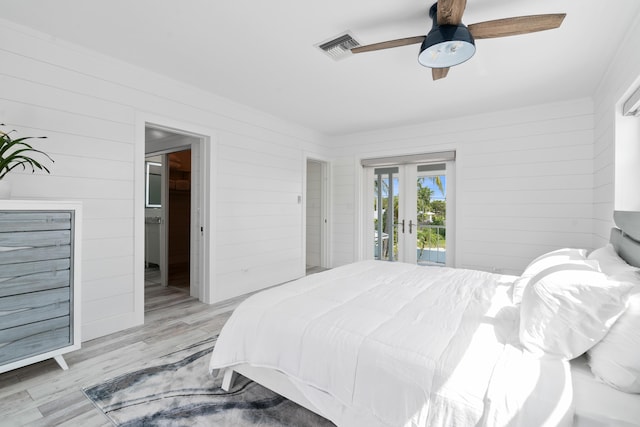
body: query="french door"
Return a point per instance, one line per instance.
(410, 209)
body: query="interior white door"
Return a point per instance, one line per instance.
(315, 224)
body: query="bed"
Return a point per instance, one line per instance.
(391, 344)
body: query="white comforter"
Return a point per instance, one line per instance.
(391, 344)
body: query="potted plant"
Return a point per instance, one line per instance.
(17, 153)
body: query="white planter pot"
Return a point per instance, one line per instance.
(5, 190)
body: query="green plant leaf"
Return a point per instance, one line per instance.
(18, 153)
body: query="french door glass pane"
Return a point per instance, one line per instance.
(385, 213)
(431, 218)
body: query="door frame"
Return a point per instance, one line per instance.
(195, 244)
(204, 215)
(365, 239)
(325, 200)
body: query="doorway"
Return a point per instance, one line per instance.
(172, 207)
(316, 258)
(411, 209)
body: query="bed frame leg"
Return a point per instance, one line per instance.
(228, 379)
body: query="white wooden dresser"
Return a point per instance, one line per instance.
(39, 281)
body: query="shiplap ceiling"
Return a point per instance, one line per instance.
(262, 54)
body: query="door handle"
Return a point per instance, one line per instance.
(410, 225)
(402, 224)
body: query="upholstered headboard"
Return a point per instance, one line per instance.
(626, 237)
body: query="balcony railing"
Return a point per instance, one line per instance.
(432, 245)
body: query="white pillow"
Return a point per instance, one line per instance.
(616, 359)
(610, 262)
(559, 256)
(567, 309)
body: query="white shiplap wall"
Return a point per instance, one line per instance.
(622, 77)
(345, 211)
(524, 181)
(91, 107)
(258, 236)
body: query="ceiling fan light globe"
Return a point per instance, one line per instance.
(446, 46)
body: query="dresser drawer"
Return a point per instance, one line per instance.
(34, 221)
(35, 238)
(11, 319)
(34, 254)
(34, 276)
(34, 300)
(28, 308)
(33, 338)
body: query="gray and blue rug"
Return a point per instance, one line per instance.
(177, 390)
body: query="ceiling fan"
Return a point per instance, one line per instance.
(450, 42)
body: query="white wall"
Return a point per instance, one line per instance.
(627, 162)
(345, 211)
(259, 223)
(91, 107)
(524, 181)
(617, 159)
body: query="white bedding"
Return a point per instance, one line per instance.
(599, 405)
(391, 344)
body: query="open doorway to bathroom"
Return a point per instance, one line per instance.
(172, 205)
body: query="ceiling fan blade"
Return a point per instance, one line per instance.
(439, 73)
(388, 44)
(450, 11)
(516, 25)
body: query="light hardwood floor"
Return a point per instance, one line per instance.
(44, 395)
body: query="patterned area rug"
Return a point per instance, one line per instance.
(177, 390)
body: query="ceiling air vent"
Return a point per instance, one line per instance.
(339, 47)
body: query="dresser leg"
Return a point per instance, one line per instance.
(61, 362)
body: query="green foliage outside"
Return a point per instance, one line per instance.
(427, 237)
(430, 237)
